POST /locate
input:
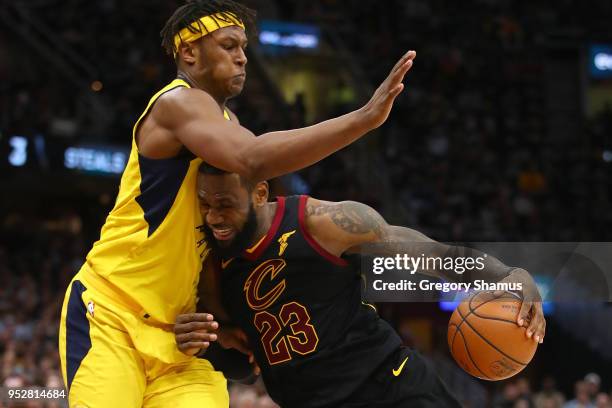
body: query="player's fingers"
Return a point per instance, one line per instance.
(523, 314)
(256, 368)
(195, 336)
(543, 330)
(195, 326)
(399, 74)
(396, 91)
(389, 88)
(193, 345)
(534, 330)
(410, 55)
(533, 324)
(540, 325)
(194, 317)
(393, 88)
(399, 62)
(251, 358)
(243, 348)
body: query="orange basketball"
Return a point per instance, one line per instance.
(484, 338)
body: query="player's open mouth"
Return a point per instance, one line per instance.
(223, 234)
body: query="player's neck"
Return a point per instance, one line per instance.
(201, 84)
(264, 220)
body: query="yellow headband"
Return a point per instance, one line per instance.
(204, 26)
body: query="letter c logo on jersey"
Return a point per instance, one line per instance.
(270, 268)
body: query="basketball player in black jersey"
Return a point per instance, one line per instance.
(286, 281)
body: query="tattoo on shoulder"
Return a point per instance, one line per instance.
(351, 216)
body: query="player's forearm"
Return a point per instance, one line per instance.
(278, 153)
(433, 254)
(485, 267)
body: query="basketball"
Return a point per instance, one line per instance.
(484, 338)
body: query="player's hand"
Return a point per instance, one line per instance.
(378, 107)
(531, 314)
(194, 332)
(256, 369)
(233, 337)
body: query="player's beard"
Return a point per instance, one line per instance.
(243, 239)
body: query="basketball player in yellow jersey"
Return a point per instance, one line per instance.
(116, 342)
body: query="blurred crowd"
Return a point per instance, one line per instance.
(38, 257)
(468, 153)
(471, 150)
(518, 393)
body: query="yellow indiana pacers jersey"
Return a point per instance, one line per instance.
(150, 249)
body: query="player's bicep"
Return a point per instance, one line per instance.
(344, 226)
(218, 142)
(197, 122)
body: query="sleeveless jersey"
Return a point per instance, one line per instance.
(301, 307)
(150, 248)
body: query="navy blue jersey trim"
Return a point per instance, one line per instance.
(160, 181)
(78, 342)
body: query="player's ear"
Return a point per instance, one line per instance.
(188, 53)
(261, 191)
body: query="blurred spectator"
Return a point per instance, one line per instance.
(508, 397)
(524, 389)
(593, 382)
(549, 396)
(523, 402)
(602, 400)
(581, 397)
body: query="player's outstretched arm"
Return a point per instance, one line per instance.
(196, 120)
(349, 226)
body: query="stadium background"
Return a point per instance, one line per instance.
(504, 133)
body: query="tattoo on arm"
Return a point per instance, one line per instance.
(351, 216)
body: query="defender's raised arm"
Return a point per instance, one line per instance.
(195, 119)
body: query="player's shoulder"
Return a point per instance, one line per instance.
(182, 104)
(319, 213)
(338, 226)
(182, 98)
(342, 216)
(317, 208)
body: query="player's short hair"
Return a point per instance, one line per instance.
(193, 10)
(206, 168)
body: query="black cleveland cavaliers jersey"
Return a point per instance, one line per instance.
(314, 339)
